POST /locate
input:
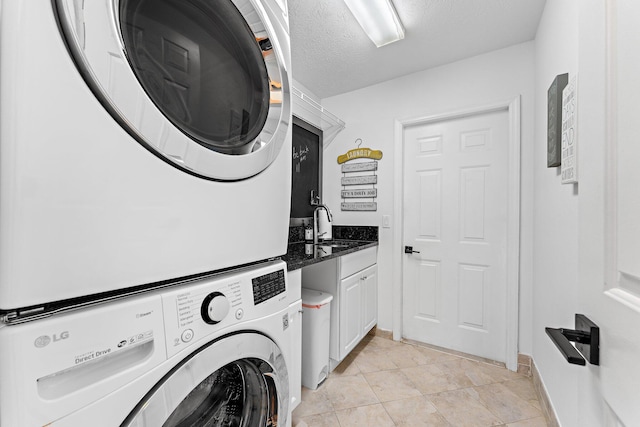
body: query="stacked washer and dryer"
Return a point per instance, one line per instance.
(144, 203)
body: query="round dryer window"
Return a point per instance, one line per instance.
(201, 83)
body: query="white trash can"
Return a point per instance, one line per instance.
(316, 310)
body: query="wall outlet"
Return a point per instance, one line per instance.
(386, 221)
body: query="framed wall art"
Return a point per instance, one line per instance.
(554, 120)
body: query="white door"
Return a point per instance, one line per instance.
(615, 304)
(455, 219)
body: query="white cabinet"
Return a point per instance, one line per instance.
(294, 280)
(351, 310)
(369, 298)
(352, 280)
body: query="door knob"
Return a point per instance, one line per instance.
(409, 250)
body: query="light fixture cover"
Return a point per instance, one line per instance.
(378, 18)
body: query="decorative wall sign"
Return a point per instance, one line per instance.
(365, 174)
(360, 153)
(569, 171)
(360, 180)
(350, 194)
(359, 206)
(554, 119)
(360, 167)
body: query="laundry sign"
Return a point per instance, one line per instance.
(359, 178)
(360, 153)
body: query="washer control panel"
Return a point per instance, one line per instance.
(209, 305)
(268, 286)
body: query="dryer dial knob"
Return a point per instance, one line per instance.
(215, 308)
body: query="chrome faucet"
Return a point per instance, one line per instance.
(315, 222)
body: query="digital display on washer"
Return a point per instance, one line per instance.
(268, 286)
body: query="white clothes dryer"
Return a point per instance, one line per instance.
(218, 351)
(140, 141)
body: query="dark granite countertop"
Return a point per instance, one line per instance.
(346, 240)
(301, 254)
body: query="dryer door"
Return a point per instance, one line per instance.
(203, 84)
(238, 381)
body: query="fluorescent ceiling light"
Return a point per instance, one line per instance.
(378, 18)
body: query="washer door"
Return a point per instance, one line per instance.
(201, 83)
(240, 380)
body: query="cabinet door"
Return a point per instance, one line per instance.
(350, 313)
(295, 374)
(369, 291)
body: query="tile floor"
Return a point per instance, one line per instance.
(387, 383)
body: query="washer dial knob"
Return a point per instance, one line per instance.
(215, 308)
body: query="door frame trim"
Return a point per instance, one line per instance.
(512, 107)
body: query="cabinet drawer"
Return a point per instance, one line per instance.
(357, 261)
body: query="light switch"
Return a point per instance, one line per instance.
(386, 221)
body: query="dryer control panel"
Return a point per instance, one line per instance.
(212, 304)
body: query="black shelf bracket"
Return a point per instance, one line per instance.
(586, 335)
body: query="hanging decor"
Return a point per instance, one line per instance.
(569, 163)
(554, 119)
(359, 178)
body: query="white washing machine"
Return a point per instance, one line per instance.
(223, 350)
(141, 141)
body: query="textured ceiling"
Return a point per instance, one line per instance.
(332, 55)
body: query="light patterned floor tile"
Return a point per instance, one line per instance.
(415, 412)
(533, 422)
(405, 356)
(371, 360)
(458, 392)
(323, 420)
(435, 378)
(349, 392)
(498, 374)
(477, 373)
(346, 367)
(523, 388)
(373, 342)
(505, 404)
(434, 356)
(371, 415)
(314, 402)
(463, 410)
(391, 385)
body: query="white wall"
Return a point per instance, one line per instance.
(592, 136)
(370, 113)
(555, 260)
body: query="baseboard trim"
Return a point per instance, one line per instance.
(524, 364)
(543, 397)
(381, 333)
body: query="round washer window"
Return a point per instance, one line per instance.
(202, 66)
(236, 381)
(237, 395)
